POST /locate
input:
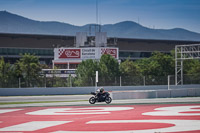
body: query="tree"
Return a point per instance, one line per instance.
(159, 64)
(108, 69)
(157, 68)
(6, 74)
(130, 74)
(191, 67)
(28, 67)
(191, 71)
(86, 73)
(128, 68)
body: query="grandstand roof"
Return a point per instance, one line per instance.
(52, 41)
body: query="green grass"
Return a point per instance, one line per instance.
(8, 103)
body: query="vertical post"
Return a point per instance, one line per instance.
(176, 75)
(115, 81)
(96, 13)
(97, 79)
(67, 65)
(176, 80)
(144, 80)
(45, 81)
(53, 65)
(120, 81)
(168, 82)
(181, 67)
(70, 80)
(19, 82)
(181, 72)
(91, 81)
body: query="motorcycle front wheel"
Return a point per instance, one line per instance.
(108, 100)
(92, 100)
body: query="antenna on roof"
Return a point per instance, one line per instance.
(97, 12)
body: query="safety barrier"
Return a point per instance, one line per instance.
(162, 90)
(143, 94)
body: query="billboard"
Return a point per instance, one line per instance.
(84, 53)
(69, 53)
(110, 51)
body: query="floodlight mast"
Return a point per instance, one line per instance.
(184, 52)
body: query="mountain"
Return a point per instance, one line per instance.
(12, 23)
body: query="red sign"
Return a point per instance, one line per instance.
(109, 51)
(69, 53)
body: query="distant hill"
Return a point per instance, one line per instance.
(12, 23)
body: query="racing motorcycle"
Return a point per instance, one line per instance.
(98, 97)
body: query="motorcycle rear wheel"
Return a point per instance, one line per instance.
(108, 100)
(92, 100)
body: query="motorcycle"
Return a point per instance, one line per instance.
(98, 97)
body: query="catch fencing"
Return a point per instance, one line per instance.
(102, 81)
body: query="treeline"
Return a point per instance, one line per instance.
(155, 69)
(28, 70)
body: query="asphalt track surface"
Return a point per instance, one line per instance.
(70, 100)
(172, 115)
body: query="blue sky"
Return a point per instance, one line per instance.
(158, 14)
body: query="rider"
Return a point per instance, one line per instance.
(100, 90)
(100, 93)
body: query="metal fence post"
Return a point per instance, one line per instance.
(120, 81)
(70, 81)
(168, 82)
(144, 80)
(19, 82)
(45, 81)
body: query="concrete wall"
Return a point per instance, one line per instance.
(156, 94)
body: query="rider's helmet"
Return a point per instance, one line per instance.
(101, 89)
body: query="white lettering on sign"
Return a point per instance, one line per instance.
(89, 53)
(33, 126)
(78, 111)
(175, 111)
(8, 110)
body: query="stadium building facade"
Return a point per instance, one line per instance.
(12, 46)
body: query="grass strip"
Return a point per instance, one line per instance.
(8, 103)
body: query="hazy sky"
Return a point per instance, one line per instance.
(158, 14)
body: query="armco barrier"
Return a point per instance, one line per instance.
(70, 90)
(161, 90)
(163, 94)
(134, 94)
(179, 93)
(44, 91)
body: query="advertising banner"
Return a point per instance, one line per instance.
(84, 53)
(69, 53)
(110, 51)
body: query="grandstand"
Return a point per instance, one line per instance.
(12, 45)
